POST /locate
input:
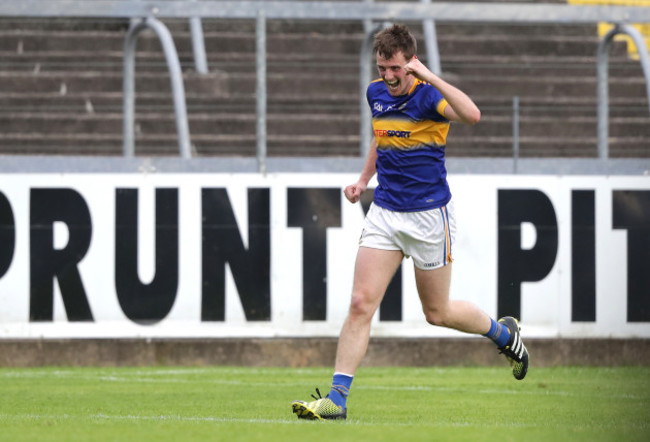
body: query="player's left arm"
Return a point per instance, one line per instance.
(460, 106)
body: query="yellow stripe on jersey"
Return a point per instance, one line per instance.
(404, 134)
(442, 104)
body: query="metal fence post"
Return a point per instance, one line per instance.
(260, 31)
(367, 23)
(431, 40)
(515, 131)
(198, 45)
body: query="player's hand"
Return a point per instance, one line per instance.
(417, 69)
(353, 192)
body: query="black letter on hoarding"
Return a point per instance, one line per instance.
(391, 305)
(222, 243)
(583, 256)
(314, 210)
(146, 303)
(46, 263)
(7, 234)
(514, 264)
(631, 211)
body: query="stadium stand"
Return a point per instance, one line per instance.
(61, 89)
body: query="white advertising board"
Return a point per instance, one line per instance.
(247, 255)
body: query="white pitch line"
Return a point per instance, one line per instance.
(215, 419)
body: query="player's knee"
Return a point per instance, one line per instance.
(360, 306)
(436, 317)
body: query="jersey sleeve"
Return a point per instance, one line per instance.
(435, 104)
(371, 91)
(440, 108)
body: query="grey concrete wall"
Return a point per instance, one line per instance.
(304, 352)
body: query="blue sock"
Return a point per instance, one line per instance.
(499, 333)
(340, 389)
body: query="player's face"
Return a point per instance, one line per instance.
(394, 75)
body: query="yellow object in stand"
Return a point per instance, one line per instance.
(604, 28)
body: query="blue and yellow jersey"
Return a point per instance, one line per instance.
(411, 134)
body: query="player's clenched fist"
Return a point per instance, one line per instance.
(353, 192)
(417, 69)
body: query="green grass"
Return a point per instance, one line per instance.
(386, 404)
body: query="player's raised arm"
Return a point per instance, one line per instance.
(461, 107)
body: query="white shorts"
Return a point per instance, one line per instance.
(426, 236)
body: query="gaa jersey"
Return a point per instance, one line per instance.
(411, 134)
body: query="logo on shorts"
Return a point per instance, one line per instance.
(431, 264)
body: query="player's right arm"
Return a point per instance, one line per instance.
(461, 107)
(353, 191)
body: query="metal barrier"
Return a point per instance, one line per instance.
(198, 45)
(178, 90)
(603, 84)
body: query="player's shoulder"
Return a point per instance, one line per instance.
(426, 92)
(424, 87)
(376, 86)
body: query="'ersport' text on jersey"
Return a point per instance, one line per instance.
(392, 133)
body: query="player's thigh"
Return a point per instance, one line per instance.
(374, 269)
(433, 287)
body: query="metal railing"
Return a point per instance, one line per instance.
(176, 77)
(603, 83)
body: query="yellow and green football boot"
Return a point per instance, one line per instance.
(320, 409)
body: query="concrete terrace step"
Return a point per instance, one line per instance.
(157, 144)
(214, 83)
(279, 145)
(558, 126)
(314, 125)
(111, 102)
(108, 101)
(289, 64)
(548, 146)
(274, 26)
(472, 85)
(300, 124)
(113, 62)
(335, 43)
(219, 83)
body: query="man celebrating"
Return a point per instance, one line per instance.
(412, 214)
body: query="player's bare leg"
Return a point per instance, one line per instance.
(374, 269)
(433, 288)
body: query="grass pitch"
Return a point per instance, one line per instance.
(386, 404)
